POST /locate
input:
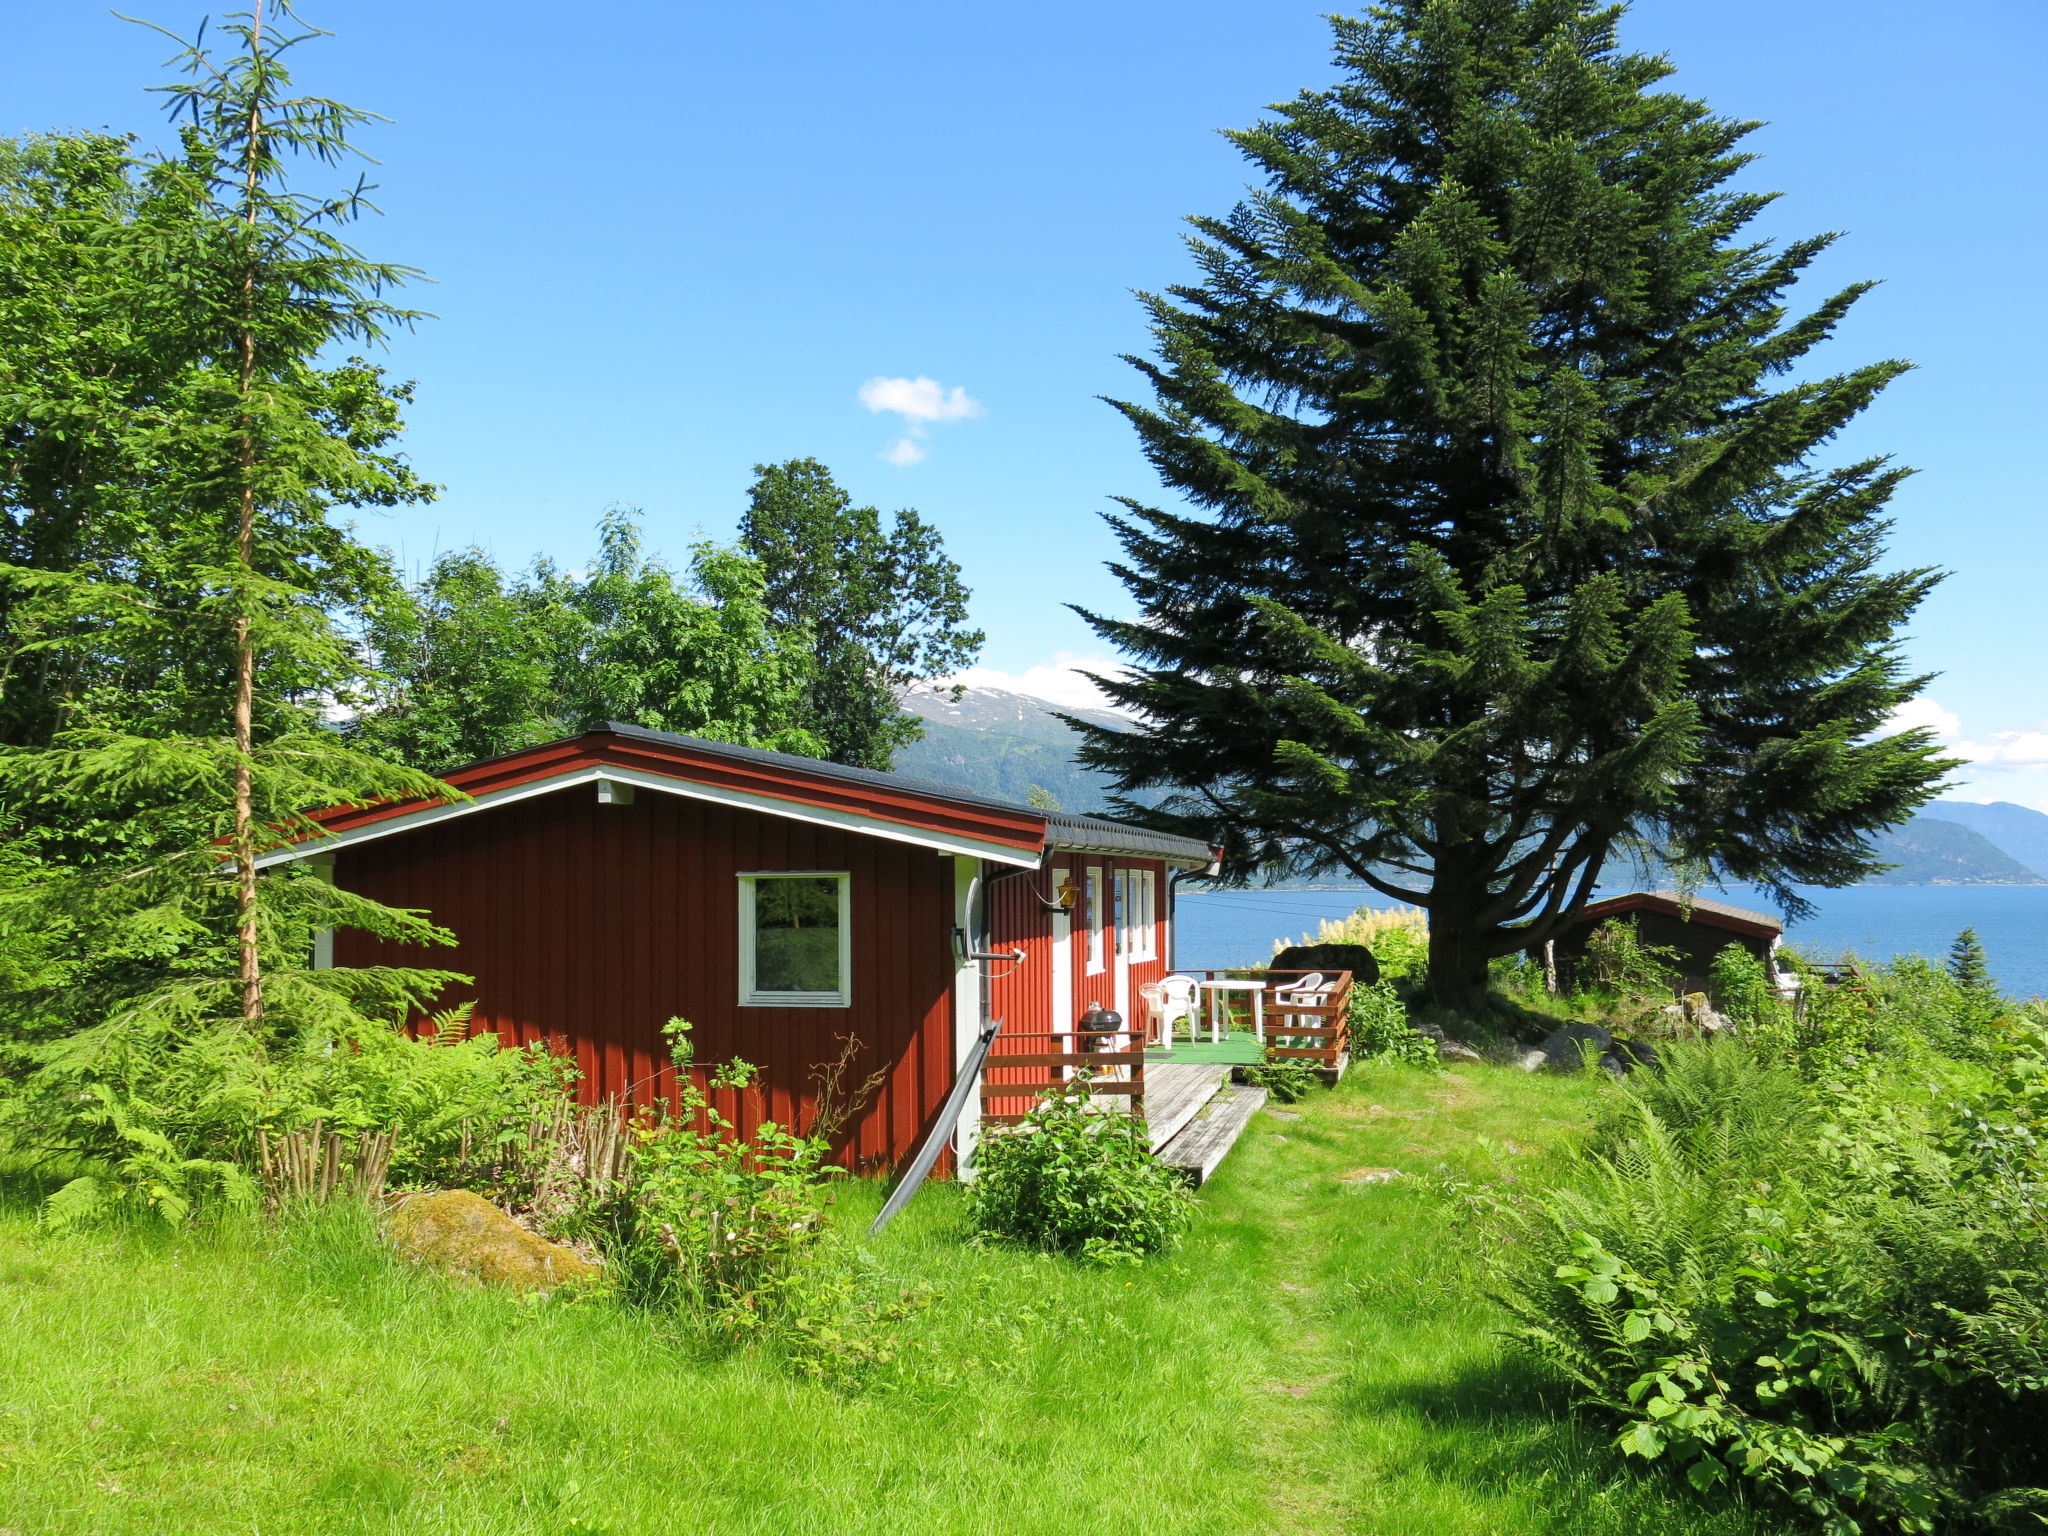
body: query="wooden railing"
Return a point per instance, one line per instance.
(1015, 1074)
(1318, 1032)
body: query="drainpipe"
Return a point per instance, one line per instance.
(1173, 880)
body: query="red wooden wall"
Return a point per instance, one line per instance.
(1023, 995)
(589, 925)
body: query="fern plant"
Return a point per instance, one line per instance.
(1803, 1273)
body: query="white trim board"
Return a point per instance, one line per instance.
(824, 816)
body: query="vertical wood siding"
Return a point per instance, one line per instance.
(588, 926)
(1022, 995)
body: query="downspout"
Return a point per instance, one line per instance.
(1173, 880)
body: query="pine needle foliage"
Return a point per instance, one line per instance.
(186, 970)
(1968, 964)
(1509, 538)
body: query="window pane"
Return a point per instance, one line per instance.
(796, 934)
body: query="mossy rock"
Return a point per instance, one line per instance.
(456, 1230)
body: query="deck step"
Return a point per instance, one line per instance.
(1175, 1093)
(1200, 1146)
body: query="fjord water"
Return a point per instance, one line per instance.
(1875, 921)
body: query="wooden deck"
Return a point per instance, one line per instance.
(1192, 1113)
(1200, 1146)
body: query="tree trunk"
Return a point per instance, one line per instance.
(245, 640)
(1456, 980)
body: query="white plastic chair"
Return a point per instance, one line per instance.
(1310, 991)
(1175, 999)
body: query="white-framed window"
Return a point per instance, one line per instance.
(1092, 892)
(1122, 888)
(796, 939)
(1144, 914)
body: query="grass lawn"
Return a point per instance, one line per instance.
(1312, 1360)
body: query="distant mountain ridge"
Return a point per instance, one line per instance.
(996, 742)
(1931, 851)
(2016, 830)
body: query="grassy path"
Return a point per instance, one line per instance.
(1313, 1361)
(1388, 1404)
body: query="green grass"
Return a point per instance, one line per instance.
(1313, 1360)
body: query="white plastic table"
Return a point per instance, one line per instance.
(1221, 984)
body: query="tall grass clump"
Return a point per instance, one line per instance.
(1397, 936)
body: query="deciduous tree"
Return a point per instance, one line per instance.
(470, 664)
(881, 609)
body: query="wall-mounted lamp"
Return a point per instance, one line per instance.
(1063, 899)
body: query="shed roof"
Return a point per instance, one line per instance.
(1702, 910)
(892, 805)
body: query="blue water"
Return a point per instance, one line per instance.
(1875, 921)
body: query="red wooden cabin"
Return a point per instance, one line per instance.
(601, 885)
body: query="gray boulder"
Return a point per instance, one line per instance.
(1456, 1050)
(1624, 1056)
(1563, 1050)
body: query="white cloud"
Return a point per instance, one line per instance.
(2016, 749)
(919, 401)
(2005, 765)
(1924, 713)
(1058, 681)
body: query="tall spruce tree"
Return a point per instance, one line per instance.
(1511, 545)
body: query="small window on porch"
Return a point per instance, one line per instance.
(796, 944)
(1093, 894)
(1144, 915)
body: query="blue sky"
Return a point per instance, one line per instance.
(671, 241)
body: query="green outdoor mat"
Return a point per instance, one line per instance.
(1239, 1048)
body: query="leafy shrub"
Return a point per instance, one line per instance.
(171, 1117)
(1743, 988)
(1617, 960)
(1923, 1004)
(1071, 1180)
(729, 1235)
(1380, 1030)
(1780, 1268)
(1290, 1079)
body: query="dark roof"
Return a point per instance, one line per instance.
(1092, 834)
(1679, 904)
(1098, 834)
